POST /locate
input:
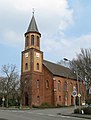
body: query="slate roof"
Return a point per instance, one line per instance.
(33, 26)
(59, 70)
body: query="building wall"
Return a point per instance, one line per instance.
(37, 89)
(63, 96)
(26, 88)
(29, 87)
(38, 58)
(48, 86)
(48, 90)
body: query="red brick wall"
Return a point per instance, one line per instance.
(50, 94)
(37, 93)
(60, 97)
(48, 91)
(26, 87)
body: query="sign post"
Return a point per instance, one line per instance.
(74, 93)
(79, 95)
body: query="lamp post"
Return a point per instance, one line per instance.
(78, 87)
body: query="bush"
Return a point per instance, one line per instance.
(87, 110)
(45, 105)
(77, 111)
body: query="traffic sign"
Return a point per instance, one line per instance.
(79, 95)
(74, 93)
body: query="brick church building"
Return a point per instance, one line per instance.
(43, 81)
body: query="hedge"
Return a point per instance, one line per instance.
(84, 110)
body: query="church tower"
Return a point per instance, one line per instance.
(31, 67)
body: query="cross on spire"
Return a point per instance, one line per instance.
(33, 10)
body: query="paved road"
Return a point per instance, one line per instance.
(43, 114)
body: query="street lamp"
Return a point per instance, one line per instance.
(76, 72)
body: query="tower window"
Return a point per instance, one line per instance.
(38, 41)
(37, 66)
(27, 41)
(26, 66)
(32, 39)
(37, 83)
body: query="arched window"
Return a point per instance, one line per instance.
(47, 84)
(38, 99)
(37, 66)
(37, 83)
(27, 41)
(65, 86)
(59, 98)
(37, 41)
(32, 39)
(66, 95)
(59, 85)
(71, 87)
(26, 66)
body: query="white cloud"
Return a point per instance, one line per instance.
(66, 47)
(53, 16)
(83, 41)
(12, 38)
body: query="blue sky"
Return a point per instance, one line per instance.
(65, 26)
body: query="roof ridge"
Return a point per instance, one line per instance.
(56, 64)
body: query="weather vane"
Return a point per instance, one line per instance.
(33, 10)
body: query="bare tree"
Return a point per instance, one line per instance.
(10, 81)
(83, 66)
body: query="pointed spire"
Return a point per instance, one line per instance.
(33, 26)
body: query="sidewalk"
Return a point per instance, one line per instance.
(76, 115)
(81, 116)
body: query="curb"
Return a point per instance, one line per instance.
(76, 115)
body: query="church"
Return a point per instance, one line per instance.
(43, 81)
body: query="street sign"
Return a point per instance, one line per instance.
(74, 93)
(79, 95)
